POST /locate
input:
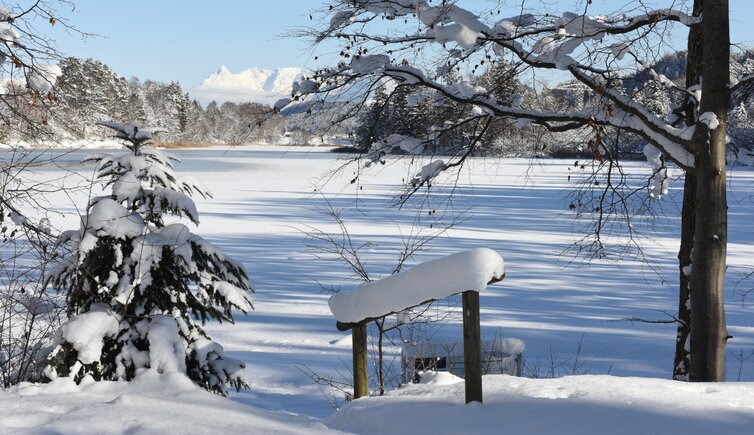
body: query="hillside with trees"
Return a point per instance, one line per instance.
(88, 90)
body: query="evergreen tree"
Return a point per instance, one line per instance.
(197, 128)
(225, 127)
(138, 110)
(501, 81)
(138, 289)
(212, 118)
(371, 122)
(401, 117)
(740, 128)
(402, 112)
(72, 91)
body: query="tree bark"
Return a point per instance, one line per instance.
(708, 331)
(681, 362)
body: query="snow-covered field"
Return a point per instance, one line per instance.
(570, 314)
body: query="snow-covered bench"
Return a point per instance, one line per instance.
(422, 284)
(467, 272)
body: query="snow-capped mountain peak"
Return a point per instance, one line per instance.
(251, 85)
(222, 71)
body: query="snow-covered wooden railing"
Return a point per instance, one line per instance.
(467, 272)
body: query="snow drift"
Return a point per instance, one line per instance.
(569, 405)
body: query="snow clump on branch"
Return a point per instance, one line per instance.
(658, 183)
(710, 120)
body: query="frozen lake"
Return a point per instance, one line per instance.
(570, 313)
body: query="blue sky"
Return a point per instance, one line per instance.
(186, 40)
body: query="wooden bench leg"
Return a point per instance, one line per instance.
(360, 380)
(472, 347)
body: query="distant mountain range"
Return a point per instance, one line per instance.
(253, 85)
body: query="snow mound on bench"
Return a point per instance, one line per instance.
(436, 279)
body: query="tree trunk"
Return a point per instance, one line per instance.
(681, 362)
(708, 331)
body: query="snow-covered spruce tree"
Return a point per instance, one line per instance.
(139, 288)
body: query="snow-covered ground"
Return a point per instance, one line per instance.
(67, 145)
(156, 406)
(571, 318)
(570, 405)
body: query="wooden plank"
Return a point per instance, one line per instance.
(472, 347)
(360, 379)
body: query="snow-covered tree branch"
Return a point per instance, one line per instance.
(419, 45)
(582, 45)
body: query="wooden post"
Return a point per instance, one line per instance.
(360, 380)
(472, 347)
